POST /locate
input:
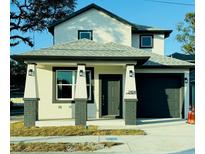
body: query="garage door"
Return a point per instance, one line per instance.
(159, 95)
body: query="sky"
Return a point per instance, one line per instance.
(145, 12)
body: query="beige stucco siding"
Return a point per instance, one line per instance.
(47, 109)
(105, 29)
(158, 43)
(50, 110)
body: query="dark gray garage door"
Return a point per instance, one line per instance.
(159, 95)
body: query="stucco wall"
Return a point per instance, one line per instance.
(50, 110)
(105, 29)
(158, 43)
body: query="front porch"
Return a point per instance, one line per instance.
(92, 87)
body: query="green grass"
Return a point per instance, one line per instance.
(64, 147)
(18, 129)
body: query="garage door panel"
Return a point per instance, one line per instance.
(158, 95)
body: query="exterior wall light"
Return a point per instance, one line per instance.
(81, 73)
(30, 72)
(131, 73)
(185, 80)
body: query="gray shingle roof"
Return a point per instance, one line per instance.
(88, 48)
(182, 56)
(159, 60)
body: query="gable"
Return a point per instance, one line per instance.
(105, 28)
(135, 27)
(87, 8)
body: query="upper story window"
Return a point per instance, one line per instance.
(87, 34)
(146, 41)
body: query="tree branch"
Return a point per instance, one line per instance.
(26, 40)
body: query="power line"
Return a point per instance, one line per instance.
(168, 2)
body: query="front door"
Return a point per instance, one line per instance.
(111, 96)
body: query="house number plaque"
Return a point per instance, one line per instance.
(131, 92)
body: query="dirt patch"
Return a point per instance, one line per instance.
(57, 147)
(18, 129)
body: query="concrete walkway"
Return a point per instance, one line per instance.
(16, 118)
(166, 137)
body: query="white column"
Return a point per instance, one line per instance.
(31, 89)
(186, 94)
(81, 97)
(130, 85)
(130, 96)
(81, 90)
(31, 97)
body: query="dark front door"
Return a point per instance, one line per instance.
(111, 95)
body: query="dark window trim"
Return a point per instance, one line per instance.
(85, 31)
(54, 100)
(152, 36)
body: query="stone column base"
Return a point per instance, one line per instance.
(80, 112)
(130, 112)
(30, 111)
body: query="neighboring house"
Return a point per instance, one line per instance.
(103, 66)
(191, 59)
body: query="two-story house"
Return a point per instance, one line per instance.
(103, 66)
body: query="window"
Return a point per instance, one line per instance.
(87, 34)
(66, 82)
(88, 83)
(146, 41)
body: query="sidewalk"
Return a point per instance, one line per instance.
(170, 138)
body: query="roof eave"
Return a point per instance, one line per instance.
(165, 32)
(143, 59)
(168, 66)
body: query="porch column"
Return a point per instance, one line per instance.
(186, 94)
(81, 96)
(130, 96)
(31, 97)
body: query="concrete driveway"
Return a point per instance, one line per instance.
(168, 136)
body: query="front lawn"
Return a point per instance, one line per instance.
(57, 147)
(18, 129)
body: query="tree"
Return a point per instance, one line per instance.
(17, 79)
(17, 73)
(35, 15)
(186, 34)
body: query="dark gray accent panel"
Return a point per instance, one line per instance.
(30, 111)
(80, 112)
(159, 95)
(130, 112)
